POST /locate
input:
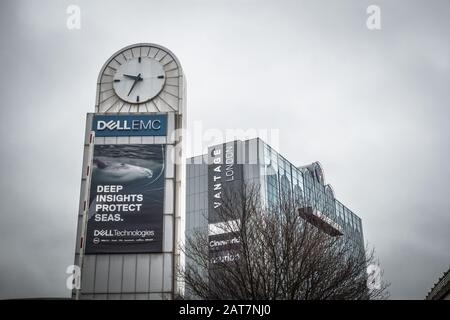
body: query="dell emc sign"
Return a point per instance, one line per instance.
(143, 125)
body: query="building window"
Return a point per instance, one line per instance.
(272, 186)
(298, 196)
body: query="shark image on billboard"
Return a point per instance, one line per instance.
(126, 199)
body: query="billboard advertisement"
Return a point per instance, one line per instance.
(125, 125)
(225, 182)
(224, 178)
(126, 199)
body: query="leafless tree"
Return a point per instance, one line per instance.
(271, 252)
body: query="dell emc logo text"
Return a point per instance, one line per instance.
(125, 125)
(130, 125)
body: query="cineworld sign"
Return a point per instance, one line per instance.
(126, 125)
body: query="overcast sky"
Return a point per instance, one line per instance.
(371, 106)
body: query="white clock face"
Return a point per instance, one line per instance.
(139, 80)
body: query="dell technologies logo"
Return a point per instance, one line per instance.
(144, 125)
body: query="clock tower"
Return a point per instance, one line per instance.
(132, 183)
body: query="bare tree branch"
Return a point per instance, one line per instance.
(273, 253)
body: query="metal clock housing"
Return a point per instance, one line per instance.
(140, 78)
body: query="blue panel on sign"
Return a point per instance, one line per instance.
(126, 125)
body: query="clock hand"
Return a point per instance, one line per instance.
(155, 77)
(132, 77)
(136, 80)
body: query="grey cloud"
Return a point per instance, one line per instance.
(372, 106)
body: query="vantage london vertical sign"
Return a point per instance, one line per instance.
(225, 182)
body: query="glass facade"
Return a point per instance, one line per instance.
(277, 178)
(196, 195)
(301, 184)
